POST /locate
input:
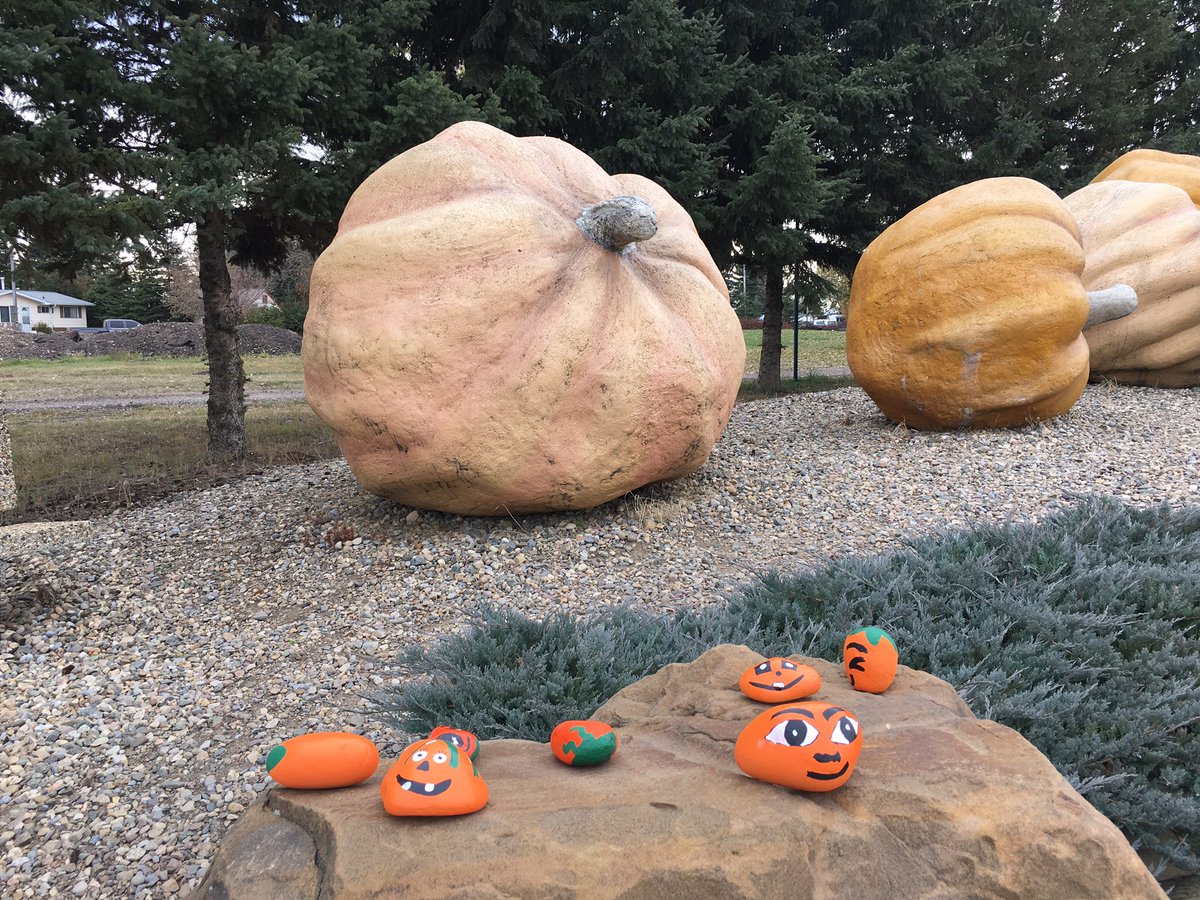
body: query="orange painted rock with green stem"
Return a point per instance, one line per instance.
(871, 660)
(323, 760)
(431, 778)
(583, 742)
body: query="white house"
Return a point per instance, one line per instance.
(60, 311)
(254, 298)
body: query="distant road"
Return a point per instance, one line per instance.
(194, 399)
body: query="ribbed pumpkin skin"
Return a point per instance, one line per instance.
(967, 312)
(1156, 167)
(476, 353)
(1146, 236)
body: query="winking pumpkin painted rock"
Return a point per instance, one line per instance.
(809, 746)
(583, 742)
(870, 659)
(433, 778)
(776, 679)
(323, 760)
(465, 741)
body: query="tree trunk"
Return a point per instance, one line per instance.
(772, 336)
(226, 376)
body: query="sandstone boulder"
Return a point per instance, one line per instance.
(942, 805)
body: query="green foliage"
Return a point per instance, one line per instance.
(1081, 632)
(265, 315)
(42, 328)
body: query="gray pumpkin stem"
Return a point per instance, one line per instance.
(615, 224)
(1110, 303)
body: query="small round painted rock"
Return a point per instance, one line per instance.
(870, 659)
(432, 778)
(776, 680)
(323, 760)
(465, 741)
(583, 742)
(808, 746)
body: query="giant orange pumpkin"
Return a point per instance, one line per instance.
(809, 746)
(1159, 167)
(968, 312)
(1147, 236)
(322, 760)
(500, 327)
(432, 778)
(776, 679)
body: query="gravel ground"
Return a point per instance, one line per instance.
(150, 659)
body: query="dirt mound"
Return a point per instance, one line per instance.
(161, 339)
(17, 345)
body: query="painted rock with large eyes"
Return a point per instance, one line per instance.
(583, 742)
(810, 746)
(870, 658)
(776, 680)
(433, 778)
(465, 741)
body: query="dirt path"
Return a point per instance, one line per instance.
(189, 399)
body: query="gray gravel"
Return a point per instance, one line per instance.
(150, 659)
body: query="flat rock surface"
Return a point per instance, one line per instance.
(164, 650)
(941, 805)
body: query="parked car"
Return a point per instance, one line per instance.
(121, 324)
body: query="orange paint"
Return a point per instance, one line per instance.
(776, 680)
(323, 760)
(433, 778)
(870, 660)
(809, 746)
(465, 741)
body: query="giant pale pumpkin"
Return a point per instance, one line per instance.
(968, 312)
(1147, 236)
(499, 326)
(1158, 167)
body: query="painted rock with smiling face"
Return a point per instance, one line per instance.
(777, 680)
(433, 778)
(870, 659)
(809, 746)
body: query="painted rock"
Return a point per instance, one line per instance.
(433, 778)
(776, 679)
(583, 742)
(810, 746)
(323, 760)
(870, 658)
(465, 741)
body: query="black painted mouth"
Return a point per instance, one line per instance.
(821, 776)
(422, 789)
(771, 687)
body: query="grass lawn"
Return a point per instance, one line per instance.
(72, 464)
(78, 463)
(128, 375)
(818, 350)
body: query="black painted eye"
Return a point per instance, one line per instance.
(789, 665)
(845, 732)
(453, 739)
(793, 733)
(763, 667)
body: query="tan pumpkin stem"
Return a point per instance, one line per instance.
(615, 224)
(1110, 303)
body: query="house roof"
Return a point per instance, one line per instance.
(48, 298)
